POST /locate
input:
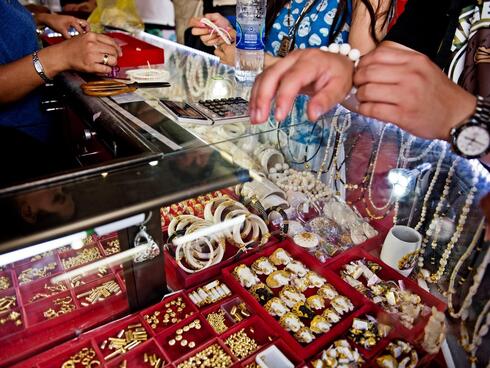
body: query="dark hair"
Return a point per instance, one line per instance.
(275, 6)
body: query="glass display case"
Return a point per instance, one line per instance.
(345, 240)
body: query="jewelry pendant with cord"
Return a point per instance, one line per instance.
(481, 329)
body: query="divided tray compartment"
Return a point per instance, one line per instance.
(190, 310)
(257, 330)
(226, 307)
(52, 259)
(214, 341)
(108, 246)
(10, 279)
(198, 336)
(36, 289)
(35, 311)
(283, 347)
(66, 351)
(388, 273)
(87, 287)
(102, 340)
(87, 278)
(135, 358)
(195, 288)
(67, 256)
(10, 327)
(11, 292)
(423, 358)
(304, 350)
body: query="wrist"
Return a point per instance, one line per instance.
(464, 109)
(52, 61)
(41, 18)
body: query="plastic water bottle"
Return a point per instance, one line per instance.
(250, 39)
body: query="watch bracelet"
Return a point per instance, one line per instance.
(38, 67)
(482, 110)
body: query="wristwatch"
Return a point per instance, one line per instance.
(471, 139)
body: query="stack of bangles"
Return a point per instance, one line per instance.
(209, 251)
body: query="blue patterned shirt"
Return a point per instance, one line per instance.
(314, 29)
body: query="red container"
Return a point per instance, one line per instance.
(388, 273)
(284, 348)
(221, 280)
(39, 264)
(136, 52)
(135, 358)
(226, 307)
(303, 351)
(208, 344)
(38, 290)
(69, 350)
(67, 256)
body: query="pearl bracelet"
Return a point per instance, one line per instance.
(344, 49)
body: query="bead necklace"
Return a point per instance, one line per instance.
(477, 278)
(406, 149)
(480, 331)
(435, 277)
(432, 227)
(431, 188)
(195, 75)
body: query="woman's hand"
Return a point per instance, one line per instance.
(85, 53)
(63, 23)
(226, 53)
(204, 32)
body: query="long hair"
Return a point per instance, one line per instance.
(275, 6)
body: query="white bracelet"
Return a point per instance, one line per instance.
(344, 49)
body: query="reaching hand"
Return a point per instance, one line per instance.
(226, 53)
(63, 23)
(406, 88)
(204, 32)
(326, 77)
(86, 53)
(86, 7)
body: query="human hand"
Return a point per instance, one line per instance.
(208, 37)
(404, 87)
(87, 7)
(62, 23)
(324, 76)
(226, 53)
(85, 53)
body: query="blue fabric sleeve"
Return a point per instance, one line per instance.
(232, 20)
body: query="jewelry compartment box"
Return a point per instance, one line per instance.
(385, 284)
(348, 302)
(44, 313)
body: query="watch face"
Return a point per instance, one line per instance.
(473, 140)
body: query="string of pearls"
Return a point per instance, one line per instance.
(301, 181)
(480, 331)
(432, 227)
(435, 277)
(406, 149)
(431, 188)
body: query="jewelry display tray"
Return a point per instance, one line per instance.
(267, 330)
(38, 333)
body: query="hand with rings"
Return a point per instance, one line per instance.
(63, 23)
(89, 53)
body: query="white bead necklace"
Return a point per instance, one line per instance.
(435, 277)
(431, 188)
(195, 75)
(432, 227)
(477, 278)
(328, 146)
(406, 150)
(479, 333)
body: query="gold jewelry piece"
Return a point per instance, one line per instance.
(33, 273)
(86, 255)
(217, 321)
(213, 356)
(101, 292)
(241, 345)
(12, 316)
(50, 290)
(86, 357)
(65, 305)
(113, 247)
(7, 302)
(4, 282)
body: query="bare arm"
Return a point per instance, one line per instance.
(82, 53)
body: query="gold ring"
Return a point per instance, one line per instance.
(105, 59)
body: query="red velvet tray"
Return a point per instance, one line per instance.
(41, 332)
(303, 351)
(388, 273)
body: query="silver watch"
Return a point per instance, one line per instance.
(471, 139)
(38, 67)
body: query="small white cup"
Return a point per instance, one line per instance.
(401, 248)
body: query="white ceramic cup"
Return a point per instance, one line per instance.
(400, 249)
